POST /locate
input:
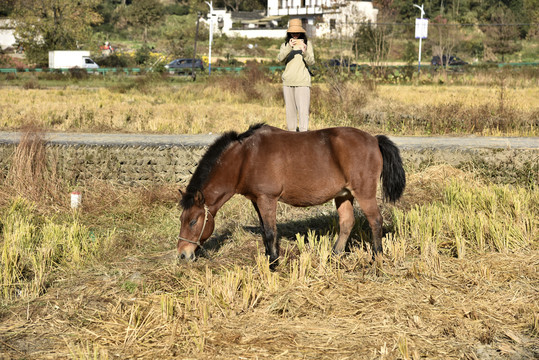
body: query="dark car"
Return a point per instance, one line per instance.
(184, 65)
(453, 60)
(336, 63)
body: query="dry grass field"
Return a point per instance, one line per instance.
(157, 104)
(459, 277)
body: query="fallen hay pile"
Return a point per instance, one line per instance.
(481, 308)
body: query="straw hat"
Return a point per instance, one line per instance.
(294, 26)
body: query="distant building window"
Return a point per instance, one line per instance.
(332, 24)
(302, 3)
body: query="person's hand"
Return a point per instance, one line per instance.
(292, 42)
(303, 47)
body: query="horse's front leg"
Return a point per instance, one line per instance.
(267, 209)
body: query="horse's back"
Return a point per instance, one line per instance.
(307, 168)
(340, 144)
(292, 139)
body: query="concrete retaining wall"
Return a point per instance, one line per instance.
(140, 165)
(123, 164)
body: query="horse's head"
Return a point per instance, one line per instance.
(197, 224)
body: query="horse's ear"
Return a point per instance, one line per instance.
(182, 192)
(199, 198)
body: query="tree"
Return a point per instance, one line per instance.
(531, 9)
(502, 36)
(178, 35)
(145, 13)
(6, 7)
(444, 38)
(233, 5)
(240, 5)
(47, 25)
(410, 53)
(374, 40)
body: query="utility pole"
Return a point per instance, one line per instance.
(210, 4)
(195, 50)
(421, 28)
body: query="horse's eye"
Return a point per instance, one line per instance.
(192, 222)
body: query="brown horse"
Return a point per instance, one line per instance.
(266, 165)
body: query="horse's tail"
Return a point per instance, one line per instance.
(393, 177)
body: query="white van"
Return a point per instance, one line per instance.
(67, 59)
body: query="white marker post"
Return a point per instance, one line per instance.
(421, 30)
(75, 199)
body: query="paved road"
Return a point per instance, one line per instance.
(404, 142)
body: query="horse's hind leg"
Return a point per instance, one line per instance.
(345, 209)
(267, 212)
(372, 213)
(259, 216)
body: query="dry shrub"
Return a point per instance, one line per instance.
(100, 196)
(340, 102)
(159, 194)
(252, 83)
(5, 196)
(10, 76)
(31, 175)
(97, 196)
(255, 72)
(31, 84)
(78, 74)
(453, 117)
(147, 82)
(427, 186)
(144, 84)
(51, 75)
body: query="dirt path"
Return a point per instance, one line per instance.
(404, 142)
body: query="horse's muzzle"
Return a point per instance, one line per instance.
(186, 251)
(187, 257)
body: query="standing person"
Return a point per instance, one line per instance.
(297, 54)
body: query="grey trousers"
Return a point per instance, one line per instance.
(297, 100)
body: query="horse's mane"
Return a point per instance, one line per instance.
(208, 161)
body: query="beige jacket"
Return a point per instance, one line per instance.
(296, 73)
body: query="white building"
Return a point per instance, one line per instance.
(344, 19)
(7, 34)
(321, 18)
(252, 24)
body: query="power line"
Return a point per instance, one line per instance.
(437, 24)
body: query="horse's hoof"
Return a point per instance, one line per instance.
(338, 254)
(273, 265)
